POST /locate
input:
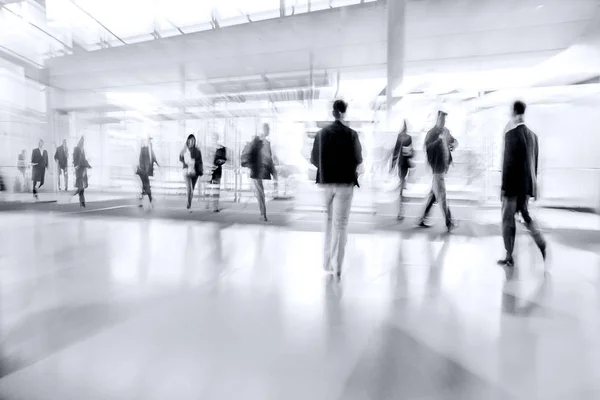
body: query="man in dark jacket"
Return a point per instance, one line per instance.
(258, 156)
(61, 156)
(337, 153)
(439, 144)
(519, 182)
(219, 153)
(401, 160)
(145, 168)
(39, 161)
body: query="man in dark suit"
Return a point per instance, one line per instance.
(337, 153)
(39, 162)
(61, 156)
(519, 182)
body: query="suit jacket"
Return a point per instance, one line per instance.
(520, 164)
(62, 156)
(146, 161)
(337, 153)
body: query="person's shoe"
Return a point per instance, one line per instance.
(507, 262)
(422, 224)
(82, 205)
(338, 275)
(400, 218)
(216, 210)
(265, 218)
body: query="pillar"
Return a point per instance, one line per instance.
(395, 48)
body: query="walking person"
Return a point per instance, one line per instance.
(22, 167)
(337, 153)
(258, 156)
(61, 156)
(81, 165)
(39, 162)
(145, 169)
(219, 157)
(519, 182)
(402, 161)
(439, 145)
(191, 158)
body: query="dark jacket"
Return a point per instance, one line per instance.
(258, 156)
(437, 149)
(220, 159)
(146, 161)
(399, 159)
(520, 165)
(196, 155)
(61, 156)
(336, 153)
(38, 171)
(81, 165)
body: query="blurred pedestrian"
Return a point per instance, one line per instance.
(402, 162)
(219, 157)
(81, 165)
(258, 156)
(191, 158)
(519, 182)
(145, 168)
(61, 156)
(39, 162)
(439, 145)
(22, 167)
(337, 154)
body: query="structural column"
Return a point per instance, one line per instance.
(395, 48)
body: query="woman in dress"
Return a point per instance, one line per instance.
(81, 166)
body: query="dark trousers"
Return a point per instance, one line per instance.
(438, 194)
(146, 189)
(81, 194)
(190, 185)
(511, 206)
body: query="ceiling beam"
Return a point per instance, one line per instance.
(98, 22)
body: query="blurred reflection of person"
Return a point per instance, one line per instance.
(61, 156)
(145, 168)
(81, 165)
(219, 156)
(402, 161)
(258, 157)
(439, 144)
(39, 162)
(519, 182)
(337, 154)
(22, 167)
(191, 158)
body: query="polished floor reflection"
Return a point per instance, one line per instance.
(120, 308)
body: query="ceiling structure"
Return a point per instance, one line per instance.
(214, 53)
(37, 30)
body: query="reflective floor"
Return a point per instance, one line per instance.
(123, 308)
